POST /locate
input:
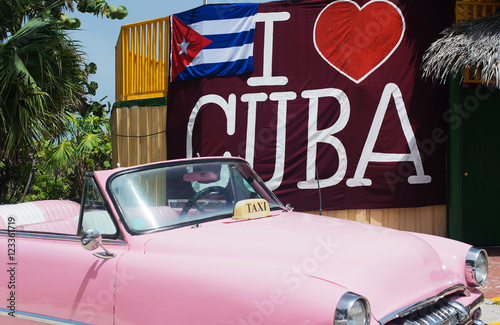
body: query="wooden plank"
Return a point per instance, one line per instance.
(123, 140)
(362, 216)
(342, 214)
(144, 139)
(153, 139)
(440, 218)
(411, 219)
(467, 10)
(376, 217)
(430, 220)
(417, 221)
(115, 148)
(332, 214)
(160, 142)
(351, 215)
(163, 136)
(426, 220)
(393, 218)
(401, 218)
(134, 131)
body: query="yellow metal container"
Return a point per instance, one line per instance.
(142, 60)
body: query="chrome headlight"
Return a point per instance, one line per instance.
(352, 309)
(476, 267)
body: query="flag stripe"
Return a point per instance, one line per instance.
(214, 27)
(217, 40)
(223, 55)
(231, 40)
(217, 69)
(216, 12)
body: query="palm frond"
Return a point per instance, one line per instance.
(41, 73)
(472, 44)
(61, 155)
(89, 142)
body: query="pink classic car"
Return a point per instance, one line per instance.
(203, 241)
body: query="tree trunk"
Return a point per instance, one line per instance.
(30, 179)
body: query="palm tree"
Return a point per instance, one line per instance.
(41, 75)
(84, 146)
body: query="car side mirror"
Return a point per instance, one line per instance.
(91, 240)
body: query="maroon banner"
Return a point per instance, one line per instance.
(336, 102)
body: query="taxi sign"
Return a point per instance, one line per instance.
(250, 209)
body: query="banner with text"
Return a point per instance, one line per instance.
(335, 104)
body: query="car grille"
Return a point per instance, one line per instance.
(438, 310)
(436, 314)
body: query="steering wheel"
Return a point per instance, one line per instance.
(212, 189)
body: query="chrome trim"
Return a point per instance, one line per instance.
(59, 237)
(424, 303)
(475, 304)
(91, 240)
(470, 266)
(462, 311)
(443, 315)
(38, 318)
(344, 306)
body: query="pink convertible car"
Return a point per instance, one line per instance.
(203, 241)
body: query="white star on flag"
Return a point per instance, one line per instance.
(184, 46)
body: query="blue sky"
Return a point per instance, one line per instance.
(98, 36)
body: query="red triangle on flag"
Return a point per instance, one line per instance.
(186, 45)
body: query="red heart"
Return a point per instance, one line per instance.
(357, 40)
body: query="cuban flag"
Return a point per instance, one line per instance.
(213, 40)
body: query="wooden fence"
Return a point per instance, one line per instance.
(138, 132)
(467, 10)
(428, 220)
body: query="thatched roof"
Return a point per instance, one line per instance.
(472, 44)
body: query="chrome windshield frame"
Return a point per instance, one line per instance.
(177, 163)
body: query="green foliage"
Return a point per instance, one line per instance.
(49, 187)
(85, 146)
(84, 139)
(59, 168)
(14, 13)
(51, 131)
(40, 77)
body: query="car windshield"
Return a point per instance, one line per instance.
(172, 195)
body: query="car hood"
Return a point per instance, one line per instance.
(391, 268)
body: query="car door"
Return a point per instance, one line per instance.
(52, 278)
